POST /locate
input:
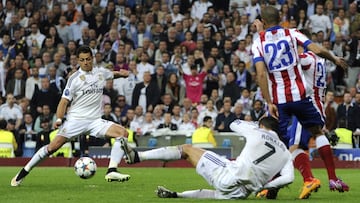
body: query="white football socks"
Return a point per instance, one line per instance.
(116, 154)
(199, 194)
(163, 153)
(40, 155)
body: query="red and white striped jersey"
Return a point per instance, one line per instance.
(315, 74)
(277, 48)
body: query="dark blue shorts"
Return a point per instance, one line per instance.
(306, 113)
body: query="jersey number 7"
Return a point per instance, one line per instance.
(263, 157)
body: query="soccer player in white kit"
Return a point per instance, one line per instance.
(83, 92)
(262, 157)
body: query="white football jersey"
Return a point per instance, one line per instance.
(263, 156)
(84, 90)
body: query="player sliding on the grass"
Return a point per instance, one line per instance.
(83, 92)
(263, 156)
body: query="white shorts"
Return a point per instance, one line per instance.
(216, 170)
(72, 128)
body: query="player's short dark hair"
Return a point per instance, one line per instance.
(270, 14)
(83, 50)
(270, 123)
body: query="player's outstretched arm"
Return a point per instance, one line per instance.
(263, 84)
(286, 177)
(322, 52)
(60, 112)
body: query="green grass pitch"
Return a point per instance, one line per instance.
(51, 184)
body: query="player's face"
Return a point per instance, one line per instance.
(85, 61)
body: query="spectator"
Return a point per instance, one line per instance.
(209, 111)
(176, 115)
(7, 137)
(189, 43)
(138, 119)
(194, 83)
(64, 30)
(109, 55)
(257, 111)
(16, 86)
(35, 38)
(320, 22)
(10, 110)
(148, 126)
(43, 137)
(199, 8)
(78, 25)
(212, 78)
(145, 93)
(354, 61)
(173, 88)
(186, 125)
(144, 66)
(348, 112)
(110, 91)
(186, 106)
(226, 53)
(330, 107)
(45, 113)
(345, 135)
(32, 83)
(158, 115)
(59, 65)
(228, 84)
(204, 134)
(246, 101)
(89, 15)
(202, 105)
(243, 76)
(224, 119)
(215, 97)
(6, 47)
(194, 117)
(125, 86)
(20, 43)
(57, 83)
(167, 123)
(160, 79)
(169, 67)
(26, 130)
(238, 111)
(107, 113)
(44, 96)
(48, 46)
(354, 17)
(100, 28)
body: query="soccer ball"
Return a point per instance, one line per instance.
(85, 167)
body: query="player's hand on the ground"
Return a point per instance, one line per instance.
(273, 111)
(259, 25)
(341, 62)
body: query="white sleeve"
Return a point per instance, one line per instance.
(243, 128)
(286, 177)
